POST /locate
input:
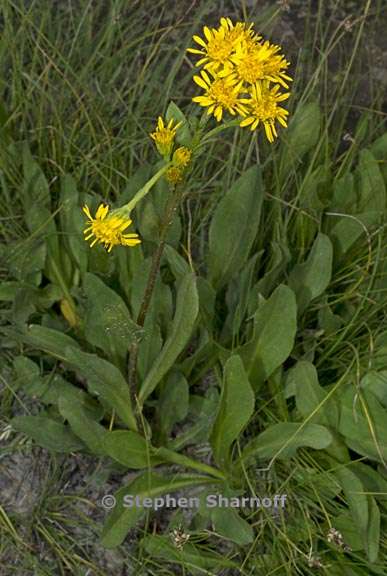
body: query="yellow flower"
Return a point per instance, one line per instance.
(174, 174)
(108, 230)
(221, 94)
(164, 136)
(219, 44)
(258, 62)
(263, 107)
(181, 156)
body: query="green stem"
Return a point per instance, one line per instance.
(144, 190)
(181, 460)
(133, 352)
(219, 129)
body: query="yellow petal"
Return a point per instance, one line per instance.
(200, 82)
(200, 41)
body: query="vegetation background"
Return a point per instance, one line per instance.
(82, 83)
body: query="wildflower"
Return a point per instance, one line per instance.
(108, 230)
(220, 94)
(181, 156)
(263, 107)
(259, 62)
(174, 174)
(164, 136)
(219, 44)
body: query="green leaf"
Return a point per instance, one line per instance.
(49, 388)
(129, 449)
(376, 382)
(311, 397)
(310, 279)
(148, 485)
(302, 136)
(187, 307)
(77, 415)
(235, 411)
(47, 340)
(48, 433)
(371, 185)
(357, 502)
(107, 323)
(26, 260)
(230, 525)
(73, 222)
(349, 229)
(279, 256)
(178, 265)
(282, 440)
(362, 423)
(35, 188)
(183, 135)
(173, 402)
(373, 531)
(104, 380)
(364, 510)
(202, 412)
(274, 334)
(234, 227)
(149, 347)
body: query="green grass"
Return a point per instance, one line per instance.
(83, 83)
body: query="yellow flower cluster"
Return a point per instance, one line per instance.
(242, 74)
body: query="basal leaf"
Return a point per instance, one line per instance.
(275, 327)
(150, 485)
(104, 380)
(283, 440)
(235, 411)
(48, 433)
(234, 227)
(107, 324)
(310, 279)
(187, 307)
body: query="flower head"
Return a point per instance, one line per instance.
(108, 230)
(181, 157)
(219, 44)
(220, 94)
(164, 136)
(174, 174)
(263, 107)
(251, 64)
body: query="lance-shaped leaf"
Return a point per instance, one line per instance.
(45, 339)
(236, 409)
(283, 440)
(87, 429)
(310, 279)
(104, 380)
(275, 328)
(129, 449)
(234, 227)
(126, 513)
(48, 433)
(311, 397)
(107, 324)
(187, 307)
